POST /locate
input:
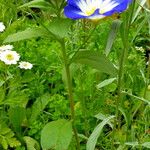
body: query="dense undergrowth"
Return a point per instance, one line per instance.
(109, 89)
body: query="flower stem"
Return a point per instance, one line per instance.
(70, 93)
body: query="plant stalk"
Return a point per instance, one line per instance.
(70, 93)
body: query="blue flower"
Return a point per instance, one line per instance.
(94, 9)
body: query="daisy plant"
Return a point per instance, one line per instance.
(94, 9)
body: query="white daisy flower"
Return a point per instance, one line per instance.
(2, 27)
(25, 65)
(6, 47)
(9, 57)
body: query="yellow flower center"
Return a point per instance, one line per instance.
(90, 11)
(10, 57)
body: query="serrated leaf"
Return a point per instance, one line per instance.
(4, 130)
(106, 82)
(91, 143)
(112, 35)
(13, 142)
(95, 60)
(4, 143)
(56, 135)
(26, 34)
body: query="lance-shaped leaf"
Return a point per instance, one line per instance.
(57, 29)
(41, 4)
(106, 82)
(112, 35)
(26, 34)
(91, 143)
(95, 60)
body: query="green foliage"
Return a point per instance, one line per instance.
(95, 60)
(91, 143)
(56, 135)
(38, 106)
(31, 143)
(34, 103)
(7, 137)
(17, 118)
(27, 34)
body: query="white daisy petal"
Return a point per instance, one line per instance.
(6, 47)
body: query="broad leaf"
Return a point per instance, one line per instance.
(91, 143)
(95, 60)
(56, 135)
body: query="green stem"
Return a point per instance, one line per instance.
(83, 103)
(125, 40)
(70, 93)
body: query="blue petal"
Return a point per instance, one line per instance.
(73, 12)
(73, 2)
(118, 9)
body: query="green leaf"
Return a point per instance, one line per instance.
(17, 115)
(146, 144)
(60, 27)
(39, 105)
(7, 138)
(4, 143)
(1, 82)
(31, 143)
(106, 82)
(95, 60)
(41, 4)
(26, 34)
(133, 144)
(140, 27)
(91, 143)
(137, 98)
(56, 135)
(142, 3)
(112, 35)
